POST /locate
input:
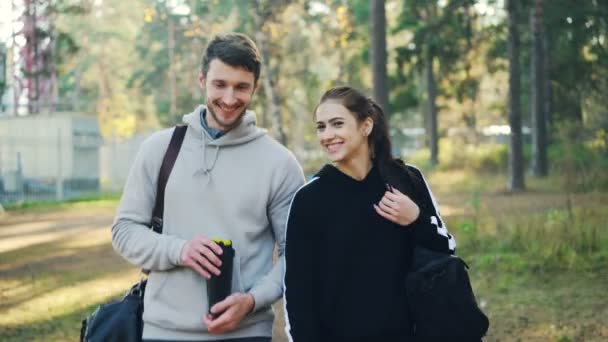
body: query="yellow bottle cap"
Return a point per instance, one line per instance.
(224, 242)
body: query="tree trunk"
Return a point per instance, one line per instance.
(516, 167)
(577, 104)
(172, 72)
(431, 91)
(539, 131)
(422, 106)
(548, 93)
(378, 53)
(272, 96)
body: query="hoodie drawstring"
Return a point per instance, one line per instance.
(206, 170)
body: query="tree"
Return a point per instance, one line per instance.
(378, 53)
(516, 169)
(431, 91)
(546, 76)
(441, 39)
(96, 75)
(579, 56)
(537, 93)
(263, 12)
(3, 65)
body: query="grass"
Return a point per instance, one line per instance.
(543, 306)
(537, 258)
(103, 200)
(537, 261)
(47, 287)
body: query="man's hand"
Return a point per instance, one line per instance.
(200, 254)
(226, 315)
(397, 207)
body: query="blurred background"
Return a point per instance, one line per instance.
(502, 103)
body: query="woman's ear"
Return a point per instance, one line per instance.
(368, 126)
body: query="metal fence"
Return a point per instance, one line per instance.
(45, 168)
(59, 166)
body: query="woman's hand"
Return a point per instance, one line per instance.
(397, 207)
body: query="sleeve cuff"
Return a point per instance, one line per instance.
(417, 222)
(263, 298)
(419, 227)
(176, 251)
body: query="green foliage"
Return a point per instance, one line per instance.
(454, 154)
(126, 51)
(578, 158)
(576, 59)
(556, 239)
(444, 31)
(404, 95)
(581, 157)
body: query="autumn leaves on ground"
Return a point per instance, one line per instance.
(538, 265)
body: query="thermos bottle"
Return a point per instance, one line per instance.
(219, 286)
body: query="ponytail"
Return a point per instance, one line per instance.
(381, 146)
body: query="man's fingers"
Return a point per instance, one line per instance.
(204, 263)
(228, 313)
(193, 264)
(224, 319)
(209, 255)
(221, 319)
(208, 319)
(213, 246)
(210, 250)
(222, 306)
(214, 324)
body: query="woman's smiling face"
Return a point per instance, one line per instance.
(342, 137)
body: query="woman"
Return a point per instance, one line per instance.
(352, 228)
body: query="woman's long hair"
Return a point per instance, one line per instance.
(363, 107)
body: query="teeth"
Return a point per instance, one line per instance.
(333, 147)
(228, 109)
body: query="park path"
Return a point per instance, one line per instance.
(22, 229)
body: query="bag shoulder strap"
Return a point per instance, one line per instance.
(163, 176)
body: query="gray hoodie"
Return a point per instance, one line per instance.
(237, 187)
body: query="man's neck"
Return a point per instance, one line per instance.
(209, 126)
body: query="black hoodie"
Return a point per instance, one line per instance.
(346, 265)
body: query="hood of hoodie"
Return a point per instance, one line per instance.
(340, 178)
(245, 132)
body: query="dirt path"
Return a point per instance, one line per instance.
(21, 230)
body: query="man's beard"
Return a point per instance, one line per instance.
(223, 126)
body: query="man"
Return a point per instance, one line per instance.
(230, 181)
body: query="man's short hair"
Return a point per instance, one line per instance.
(234, 49)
